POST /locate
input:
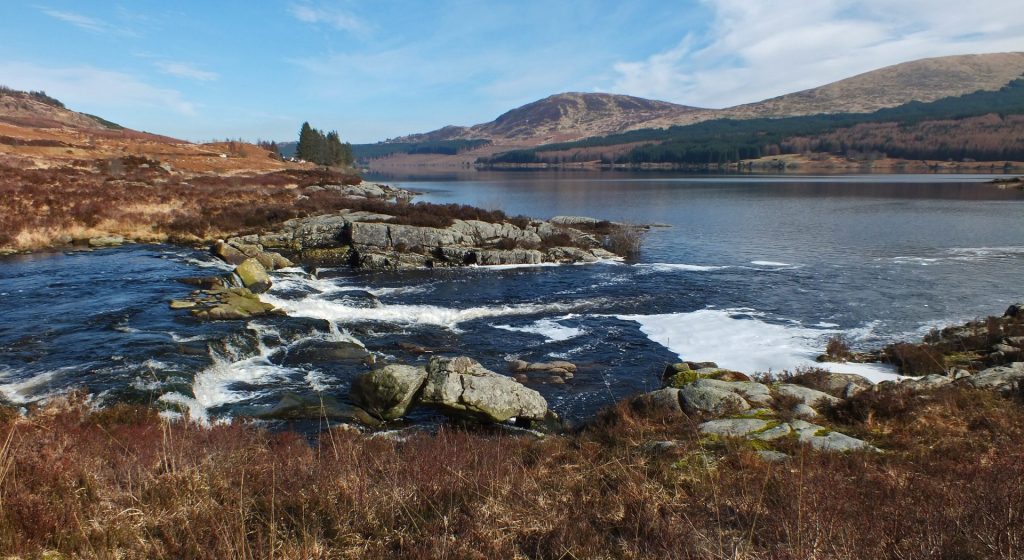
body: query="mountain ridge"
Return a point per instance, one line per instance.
(574, 115)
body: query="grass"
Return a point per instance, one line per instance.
(122, 482)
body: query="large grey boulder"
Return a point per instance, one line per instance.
(462, 386)
(709, 399)
(1000, 378)
(388, 392)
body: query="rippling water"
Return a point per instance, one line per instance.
(754, 273)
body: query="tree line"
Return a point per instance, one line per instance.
(323, 149)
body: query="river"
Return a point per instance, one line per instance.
(752, 272)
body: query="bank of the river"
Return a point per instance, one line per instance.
(647, 478)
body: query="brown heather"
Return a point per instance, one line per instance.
(122, 483)
(134, 198)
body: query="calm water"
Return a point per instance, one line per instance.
(754, 273)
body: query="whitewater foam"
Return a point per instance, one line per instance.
(28, 390)
(319, 308)
(740, 340)
(772, 264)
(677, 267)
(214, 386)
(550, 329)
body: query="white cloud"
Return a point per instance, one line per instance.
(756, 50)
(85, 22)
(78, 20)
(335, 18)
(90, 89)
(185, 70)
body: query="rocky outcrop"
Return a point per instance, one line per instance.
(224, 303)
(376, 241)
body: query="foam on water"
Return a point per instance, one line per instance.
(215, 385)
(771, 263)
(31, 389)
(680, 267)
(739, 339)
(550, 329)
(319, 308)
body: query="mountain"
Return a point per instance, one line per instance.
(562, 117)
(573, 116)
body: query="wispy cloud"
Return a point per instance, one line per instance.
(755, 50)
(329, 16)
(87, 23)
(185, 70)
(90, 88)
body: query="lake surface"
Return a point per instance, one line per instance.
(753, 272)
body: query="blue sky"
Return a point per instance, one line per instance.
(374, 70)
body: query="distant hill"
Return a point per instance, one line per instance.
(562, 117)
(573, 116)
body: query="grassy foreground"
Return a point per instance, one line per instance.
(123, 483)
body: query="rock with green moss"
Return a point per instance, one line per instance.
(709, 399)
(253, 276)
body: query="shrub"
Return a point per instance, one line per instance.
(625, 241)
(915, 359)
(838, 349)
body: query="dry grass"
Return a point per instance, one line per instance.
(123, 483)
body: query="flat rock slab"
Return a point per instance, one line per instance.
(733, 427)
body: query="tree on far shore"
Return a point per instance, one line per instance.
(323, 149)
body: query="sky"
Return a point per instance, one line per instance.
(378, 69)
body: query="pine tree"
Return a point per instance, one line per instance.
(307, 148)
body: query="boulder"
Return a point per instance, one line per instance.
(841, 385)
(388, 392)
(228, 253)
(1000, 378)
(253, 276)
(663, 401)
(706, 398)
(106, 241)
(733, 427)
(932, 381)
(808, 396)
(464, 387)
(751, 391)
(1015, 310)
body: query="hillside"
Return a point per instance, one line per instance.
(924, 80)
(38, 131)
(575, 117)
(67, 177)
(562, 117)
